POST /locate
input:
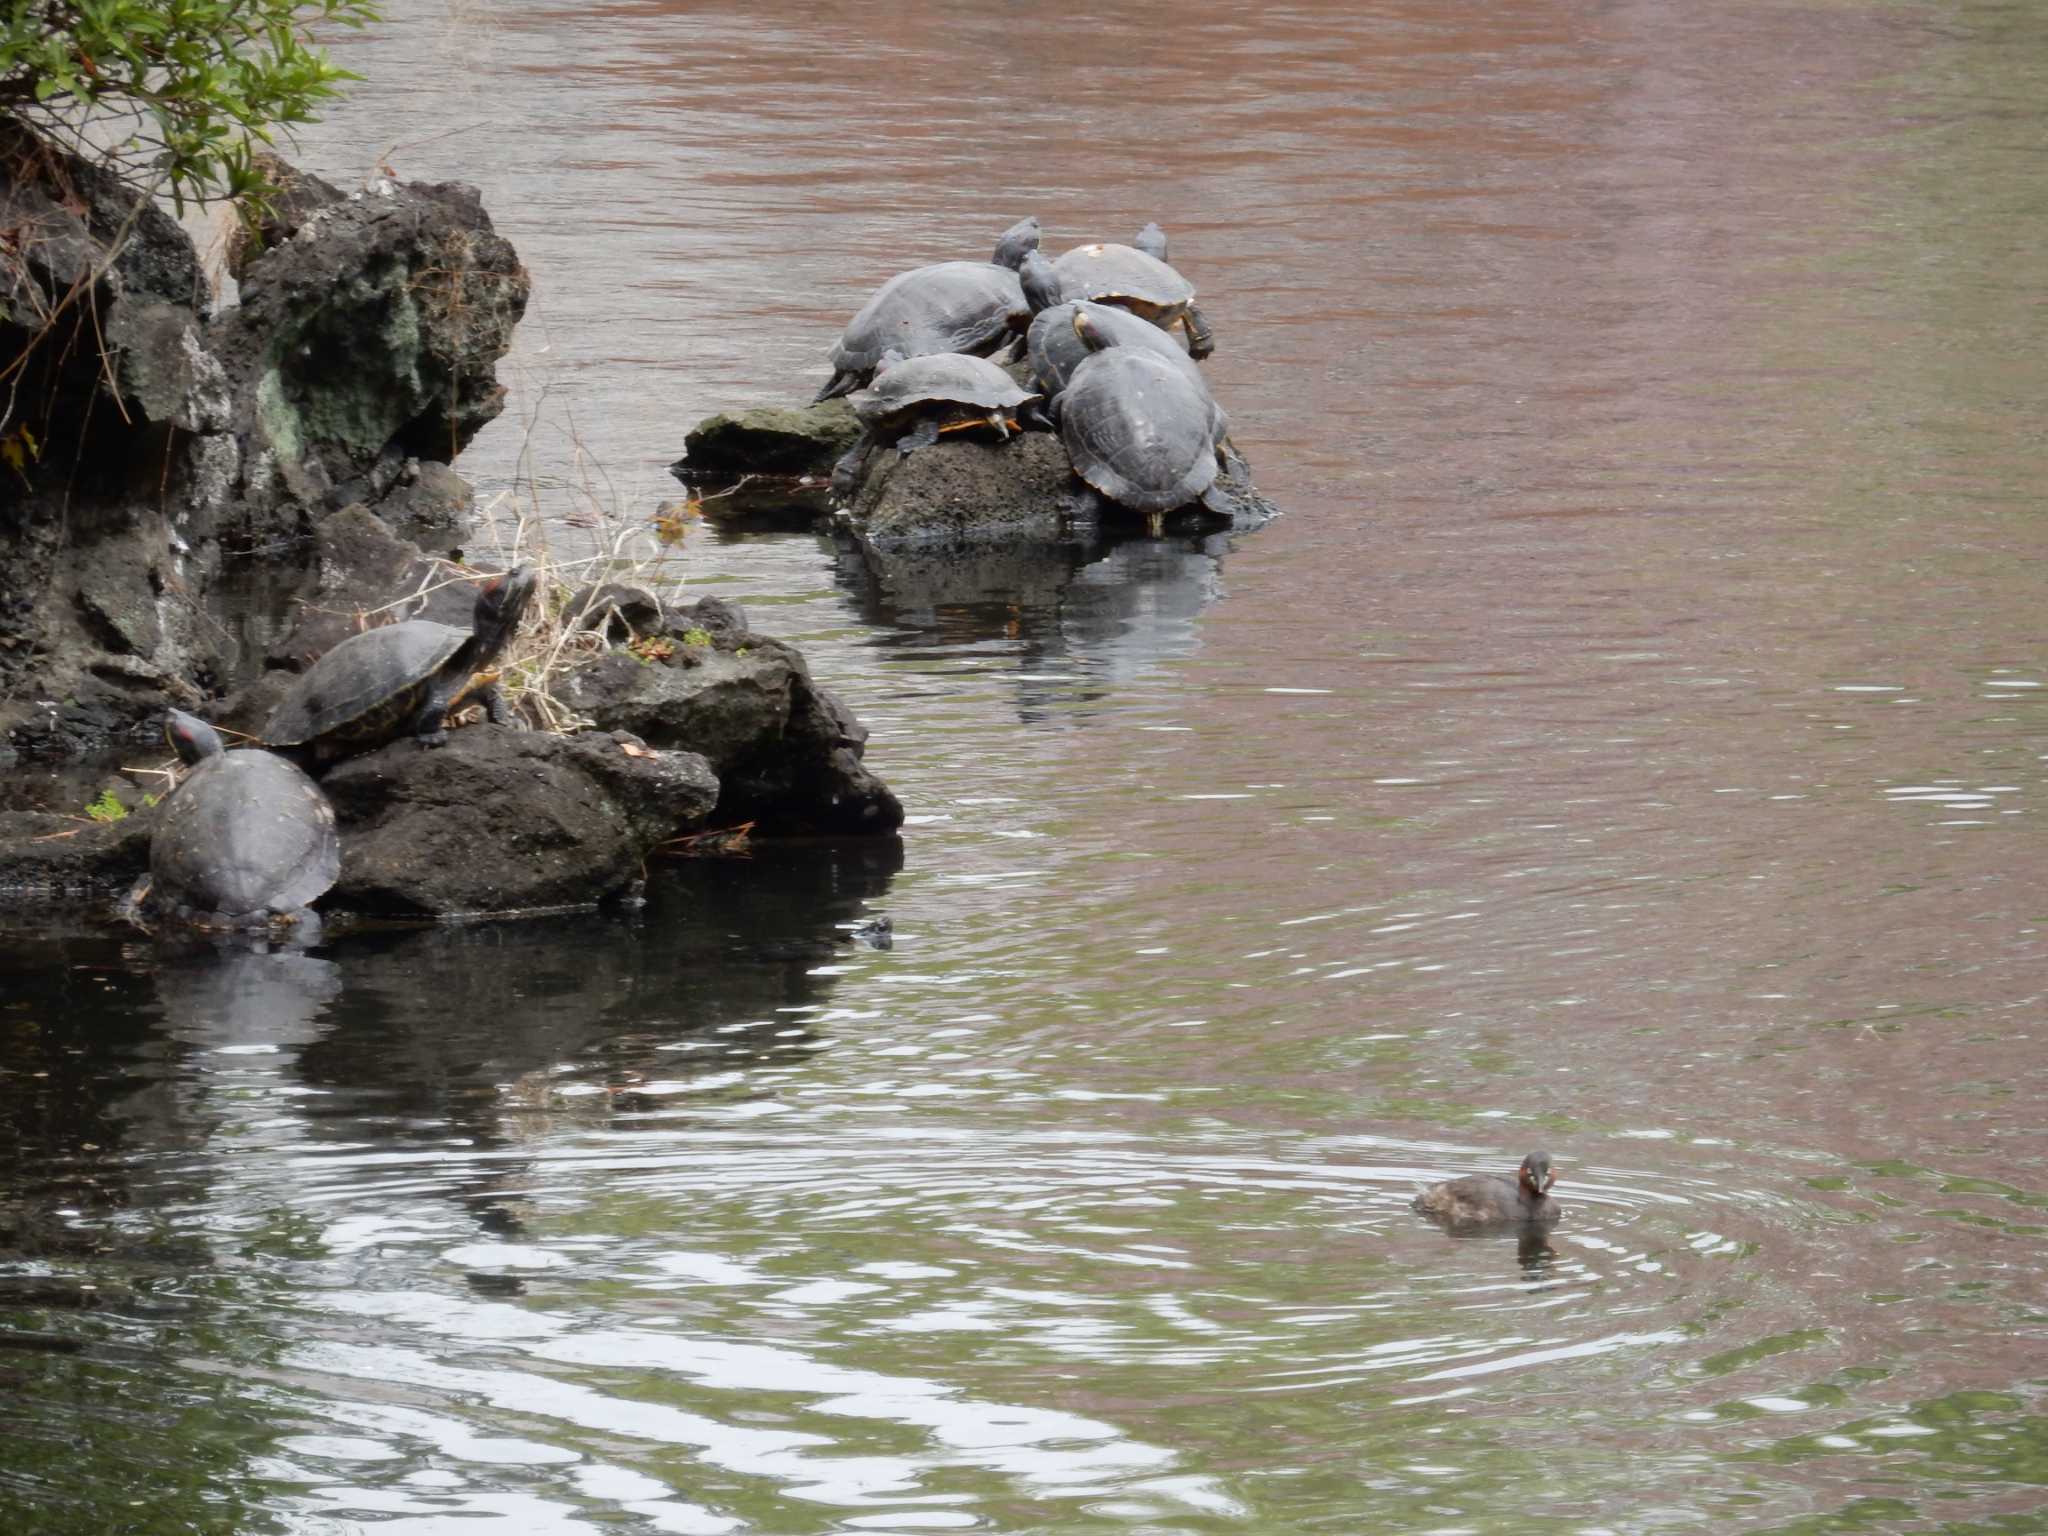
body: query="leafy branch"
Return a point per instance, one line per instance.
(204, 81)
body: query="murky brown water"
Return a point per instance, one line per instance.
(1630, 742)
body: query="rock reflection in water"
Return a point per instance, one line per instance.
(1110, 607)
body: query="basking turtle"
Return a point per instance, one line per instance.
(401, 680)
(246, 841)
(1142, 431)
(952, 306)
(913, 400)
(1140, 281)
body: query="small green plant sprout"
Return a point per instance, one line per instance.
(107, 809)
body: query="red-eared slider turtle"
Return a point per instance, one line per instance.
(952, 306)
(914, 400)
(1056, 349)
(401, 680)
(1142, 431)
(1141, 282)
(246, 841)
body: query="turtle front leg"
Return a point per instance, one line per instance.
(923, 435)
(851, 466)
(432, 727)
(1201, 340)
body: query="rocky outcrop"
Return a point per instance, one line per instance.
(788, 754)
(142, 437)
(504, 820)
(367, 339)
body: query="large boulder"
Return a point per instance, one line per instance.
(788, 754)
(505, 820)
(369, 337)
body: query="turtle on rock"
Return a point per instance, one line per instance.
(951, 306)
(246, 841)
(1137, 278)
(401, 680)
(914, 400)
(1141, 431)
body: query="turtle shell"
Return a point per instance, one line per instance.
(364, 691)
(1056, 351)
(954, 306)
(938, 382)
(1140, 429)
(1123, 274)
(246, 836)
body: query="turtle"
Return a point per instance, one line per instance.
(951, 306)
(400, 680)
(1139, 280)
(1142, 431)
(1056, 349)
(913, 400)
(246, 841)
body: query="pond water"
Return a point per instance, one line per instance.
(1629, 743)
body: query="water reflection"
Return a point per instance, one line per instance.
(1079, 618)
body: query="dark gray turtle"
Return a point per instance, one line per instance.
(401, 680)
(1056, 349)
(1142, 431)
(952, 306)
(914, 400)
(246, 841)
(1140, 281)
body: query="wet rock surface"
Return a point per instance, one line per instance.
(506, 820)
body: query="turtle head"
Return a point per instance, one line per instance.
(888, 360)
(501, 604)
(1041, 283)
(1093, 337)
(1018, 241)
(192, 738)
(1152, 241)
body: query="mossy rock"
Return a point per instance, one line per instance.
(771, 440)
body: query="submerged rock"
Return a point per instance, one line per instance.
(505, 820)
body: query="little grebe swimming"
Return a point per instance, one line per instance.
(1482, 1202)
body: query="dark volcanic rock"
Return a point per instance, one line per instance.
(769, 440)
(430, 503)
(144, 438)
(369, 337)
(788, 754)
(507, 820)
(360, 566)
(964, 491)
(620, 609)
(42, 854)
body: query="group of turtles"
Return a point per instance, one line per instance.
(1110, 336)
(247, 839)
